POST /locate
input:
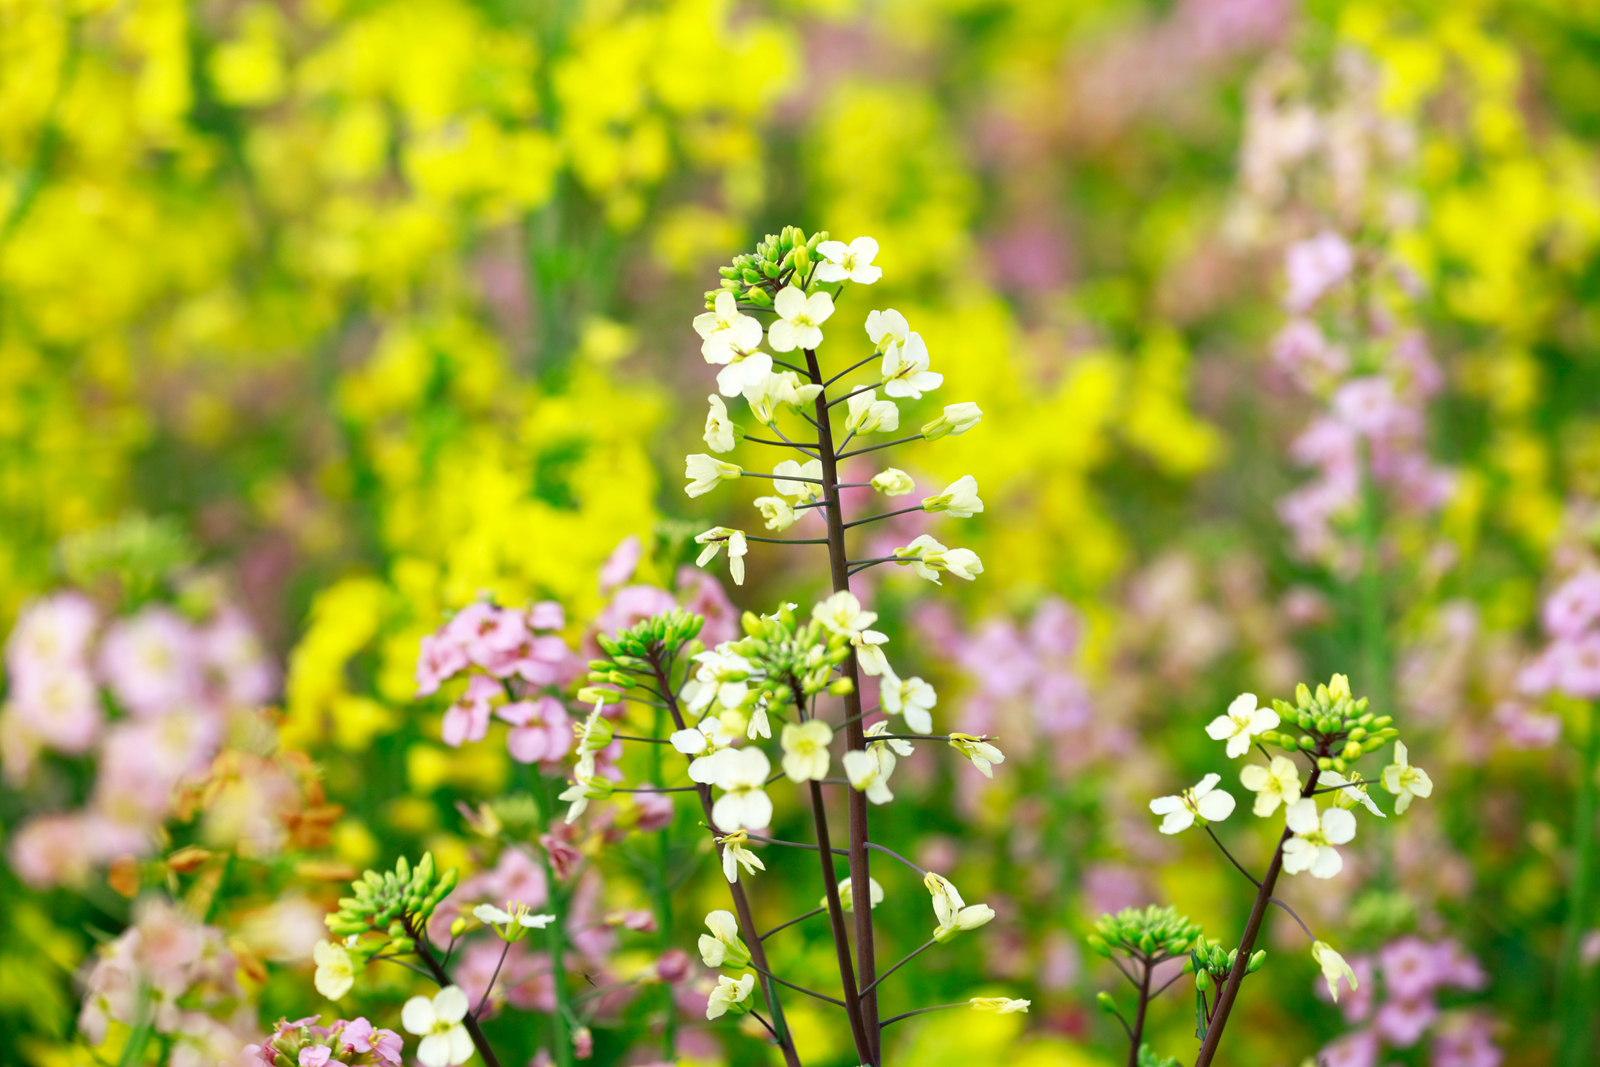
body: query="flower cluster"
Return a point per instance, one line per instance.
(1570, 663)
(307, 1043)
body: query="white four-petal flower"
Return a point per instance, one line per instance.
(852, 262)
(727, 332)
(1312, 846)
(1242, 722)
(800, 319)
(445, 1041)
(1404, 780)
(1204, 801)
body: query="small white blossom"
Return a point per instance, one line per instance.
(1000, 1005)
(1242, 722)
(1205, 801)
(1333, 968)
(805, 750)
(881, 727)
(803, 492)
(893, 482)
(514, 921)
(847, 898)
(982, 754)
(713, 540)
(956, 420)
(928, 557)
(735, 855)
(722, 676)
(741, 773)
(868, 414)
(704, 472)
(719, 435)
(912, 698)
(953, 913)
(336, 972)
(726, 331)
(1351, 791)
(730, 995)
(583, 790)
(723, 947)
(1312, 847)
(743, 373)
(770, 391)
(445, 1042)
(869, 772)
(905, 369)
(959, 499)
(852, 262)
(1404, 780)
(800, 319)
(776, 511)
(843, 614)
(885, 329)
(1273, 785)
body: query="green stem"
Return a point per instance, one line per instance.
(663, 902)
(1373, 621)
(1577, 1017)
(560, 1033)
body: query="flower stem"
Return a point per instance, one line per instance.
(560, 1037)
(841, 942)
(663, 900)
(419, 935)
(1136, 1034)
(1577, 1021)
(855, 736)
(1258, 913)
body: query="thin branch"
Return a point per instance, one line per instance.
(667, 789)
(802, 446)
(920, 1011)
(401, 963)
(1168, 982)
(886, 444)
(857, 566)
(854, 392)
(1124, 970)
(768, 1025)
(853, 366)
(484, 1003)
(787, 540)
(780, 477)
(913, 955)
(882, 515)
(651, 740)
(924, 737)
(789, 366)
(791, 922)
(796, 844)
(810, 451)
(895, 855)
(1253, 879)
(796, 988)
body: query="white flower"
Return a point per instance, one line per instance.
(893, 482)
(1351, 791)
(851, 262)
(869, 772)
(800, 319)
(1242, 722)
(445, 1042)
(730, 995)
(959, 499)
(905, 369)
(336, 972)
(805, 750)
(1274, 785)
(803, 492)
(713, 540)
(734, 855)
(719, 435)
(881, 727)
(954, 914)
(1000, 1005)
(928, 557)
(758, 725)
(776, 511)
(982, 754)
(580, 792)
(885, 329)
(513, 923)
(912, 698)
(690, 741)
(1311, 849)
(1333, 968)
(745, 372)
(1205, 801)
(767, 392)
(956, 420)
(722, 947)
(726, 331)
(741, 773)
(704, 472)
(847, 898)
(721, 676)
(868, 414)
(1404, 780)
(843, 614)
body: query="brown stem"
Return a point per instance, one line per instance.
(741, 902)
(1247, 943)
(420, 936)
(1136, 1034)
(841, 944)
(855, 736)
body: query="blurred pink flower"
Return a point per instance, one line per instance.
(1523, 728)
(516, 876)
(230, 647)
(51, 634)
(151, 661)
(1359, 1049)
(1574, 607)
(632, 604)
(1314, 266)
(59, 708)
(620, 565)
(656, 811)
(52, 850)
(704, 594)
(1402, 1022)
(1580, 667)
(1466, 1042)
(542, 730)
(441, 658)
(1410, 968)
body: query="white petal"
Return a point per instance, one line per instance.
(1298, 854)
(1328, 862)
(833, 250)
(1220, 727)
(1242, 705)
(460, 1045)
(450, 1004)
(417, 1015)
(1263, 719)
(1207, 784)
(788, 303)
(434, 1051)
(865, 248)
(1166, 805)
(1238, 745)
(1216, 805)
(1302, 816)
(1338, 825)
(1177, 821)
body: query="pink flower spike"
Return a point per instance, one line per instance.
(440, 659)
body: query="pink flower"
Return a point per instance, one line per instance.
(1458, 967)
(468, 718)
(1359, 1049)
(547, 615)
(151, 661)
(490, 633)
(1056, 628)
(620, 565)
(1539, 675)
(1410, 968)
(1369, 407)
(633, 604)
(1523, 728)
(440, 659)
(1466, 1043)
(583, 1043)
(674, 965)
(230, 647)
(1574, 606)
(542, 730)
(656, 811)
(516, 876)
(60, 708)
(51, 634)
(1314, 266)
(1580, 667)
(1402, 1022)
(702, 593)
(564, 859)
(52, 850)
(315, 1055)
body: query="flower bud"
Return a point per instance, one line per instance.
(458, 927)
(1307, 742)
(1382, 720)
(841, 687)
(1107, 1003)
(1352, 750)
(1256, 960)
(1202, 981)
(1358, 734)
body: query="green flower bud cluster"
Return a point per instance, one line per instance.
(785, 650)
(632, 653)
(1148, 1058)
(782, 259)
(1150, 933)
(1211, 964)
(390, 901)
(1333, 727)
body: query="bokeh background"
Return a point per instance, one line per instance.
(320, 318)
